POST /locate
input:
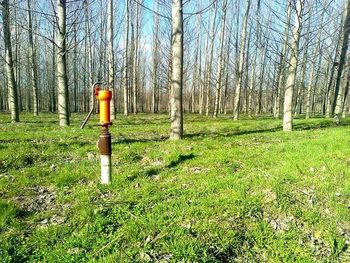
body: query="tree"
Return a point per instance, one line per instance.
(282, 63)
(240, 65)
(155, 57)
(316, 53)
(338, 92)
(11, 82)
(126, 57)
(176, 114)
(219, 82)
(33, 66)
(62, 81)
(111, 57)
(136, 41)
(210, 60)
(293, 63)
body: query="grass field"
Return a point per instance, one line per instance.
(230, 191)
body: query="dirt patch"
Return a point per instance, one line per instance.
(40, 199)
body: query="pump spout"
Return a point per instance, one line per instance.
(95, 92)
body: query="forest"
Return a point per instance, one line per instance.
(225, 138)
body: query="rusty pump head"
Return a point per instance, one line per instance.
(105, 140)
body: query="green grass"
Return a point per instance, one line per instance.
(230, 191)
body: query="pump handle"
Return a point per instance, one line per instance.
(94, 92)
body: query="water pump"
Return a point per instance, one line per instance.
(103, 97)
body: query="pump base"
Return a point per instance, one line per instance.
(106, 169)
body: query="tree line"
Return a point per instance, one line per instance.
(234, 57)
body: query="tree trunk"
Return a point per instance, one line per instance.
(283, 58)
(126, 42)
(18, 65)
(196, 68)
(75, 69)
(293, 63)
(261, 79)
(62, 82)
(240, 65)
(176, 114)
(317, 50)
(344, 49)
(219, 76)
(210, 64)
(155, 58)
(135, 59)
(11, 82)
(111, 57)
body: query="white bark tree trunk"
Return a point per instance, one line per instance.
(111, 57)
(135, 58)
(62, 82)
(313, 67)
(288, 97)
(11, 82)
(176, 115)
(239, 81)
(219, 76)
(282, 63)
(342, 61)
(210, 63)
(155, 58)
(126, 58)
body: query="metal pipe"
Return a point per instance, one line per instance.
(93, 106)
(105, 147)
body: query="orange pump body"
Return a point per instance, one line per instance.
(104, 97)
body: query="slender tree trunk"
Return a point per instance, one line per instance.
(210, 64)
(17, 63)
(227, 68)
(11, 82)
(88, 44)
(62, 82)
(331, 81)
(346, 93)
(261, 80)
(282, 66)
(288, 97)
(342, 60)
(135, 57)
(246, 73)
(102, 39)
(111, 72)
(255, 62)
(301, 86)
(252, 85)
(240, 65)
(219, 74)
(196, 68)
(126, 58)
(313, 66)
(155, 58)
(75, 69)
(176, 115)
(203, 83)
(53, 72)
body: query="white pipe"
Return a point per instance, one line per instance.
(106, 169)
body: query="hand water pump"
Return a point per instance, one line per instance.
(104, 97)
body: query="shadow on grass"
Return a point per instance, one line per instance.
(327, 123)
(230, 134)
(151, 172)
(180, 159)
(134, 140)
(320, 124)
